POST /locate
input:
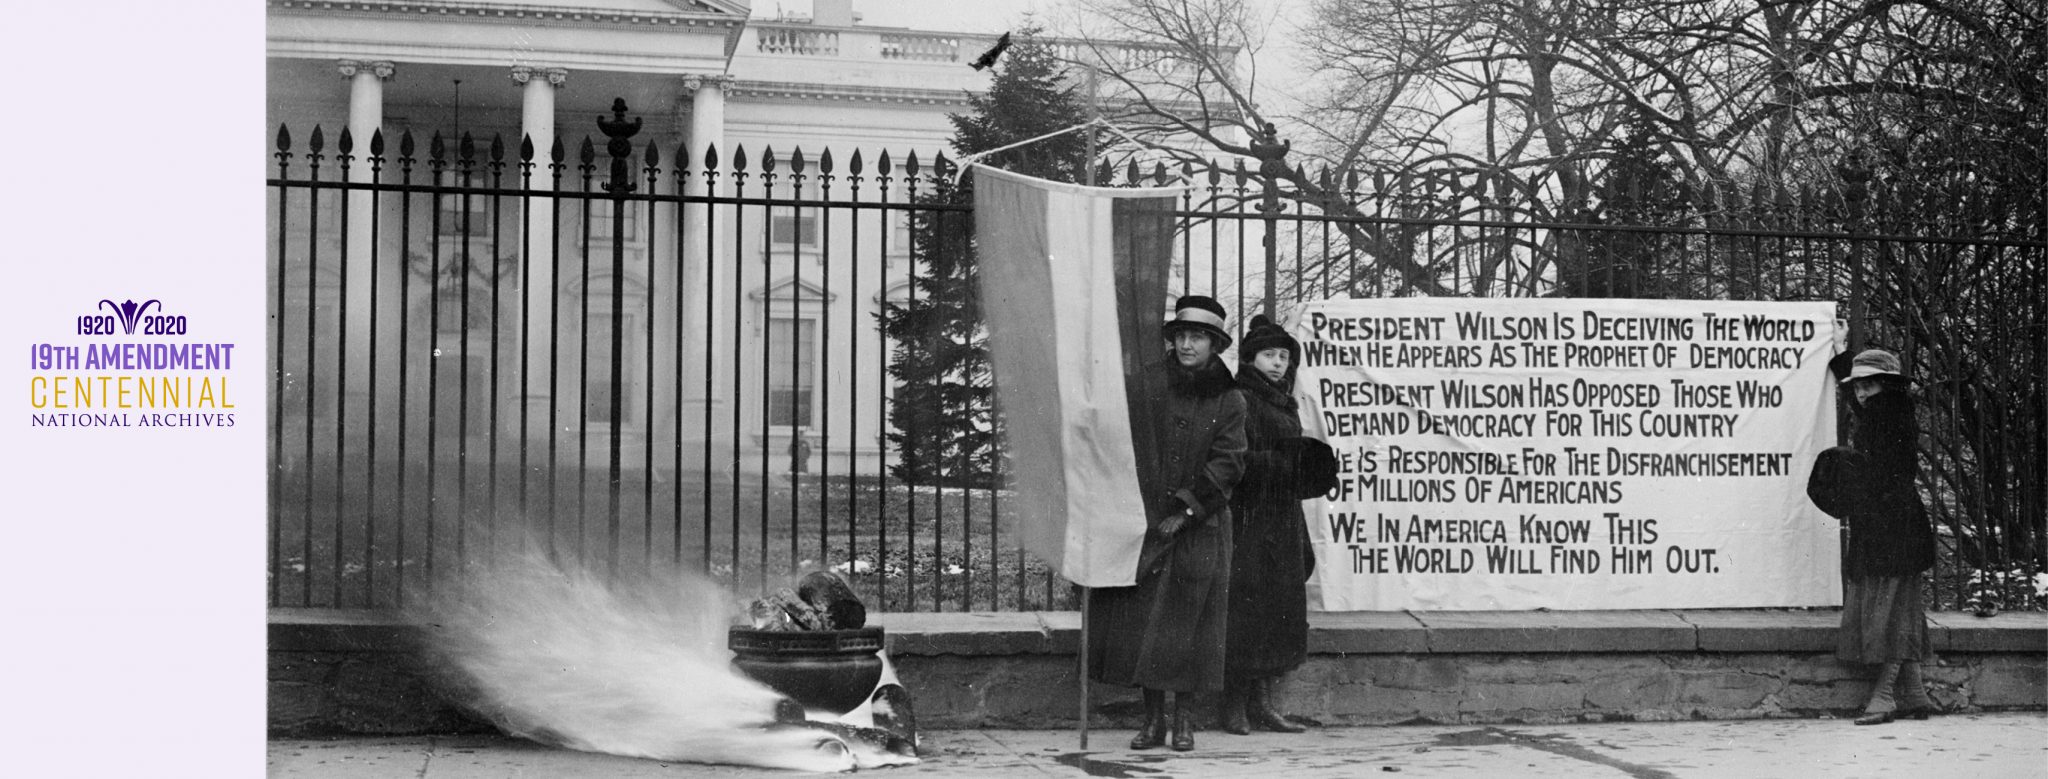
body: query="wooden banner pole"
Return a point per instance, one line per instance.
(1084, 668)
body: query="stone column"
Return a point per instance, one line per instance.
(359, 284)
(537, 256)
(707, 128)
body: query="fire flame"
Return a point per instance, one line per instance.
(633, 666)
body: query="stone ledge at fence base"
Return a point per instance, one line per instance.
(360, 672)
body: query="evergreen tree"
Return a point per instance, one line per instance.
(1639, 187)
(945, 429)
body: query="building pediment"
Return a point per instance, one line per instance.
(597, 293)
(896, 292)
(717, 6)
(793, 290)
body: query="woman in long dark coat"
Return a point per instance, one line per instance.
(1270, 555)
(1167, 632)
(1890, 544)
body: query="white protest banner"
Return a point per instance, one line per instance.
(1569, 454)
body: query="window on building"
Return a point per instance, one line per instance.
(459, 378)
(451, 309)
(785, 229)
(456, 206)
(792, 224)
(597, 384)
(601, 218)
(899, 232)
(792, 370)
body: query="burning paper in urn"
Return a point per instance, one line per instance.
(813, 644)
(633, 665)
(822, 600)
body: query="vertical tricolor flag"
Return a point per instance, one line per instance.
(1073, 284)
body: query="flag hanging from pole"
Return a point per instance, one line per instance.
(1073, 290)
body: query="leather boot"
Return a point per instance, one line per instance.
(1882, 708)
(1152, 733)
(1260, 709)
(1232, 711)
(1183, 723)
(1912, 693)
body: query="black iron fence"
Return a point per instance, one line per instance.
(649, 356)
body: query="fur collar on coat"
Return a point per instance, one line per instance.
(1255, 385)
(1208, 381)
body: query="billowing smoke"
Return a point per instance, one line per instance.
(634, 665)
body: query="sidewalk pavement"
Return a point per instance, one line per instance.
(1977, 746)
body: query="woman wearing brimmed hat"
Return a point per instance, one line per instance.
(1166, 633)
(1890, 543)
(1270, 555)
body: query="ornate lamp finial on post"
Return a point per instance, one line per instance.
(1271, 152)
(620, 147)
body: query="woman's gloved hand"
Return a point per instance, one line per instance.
(1176, 516)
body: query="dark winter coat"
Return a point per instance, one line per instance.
(1270, 557)
(1167, 632)
(1888, 532)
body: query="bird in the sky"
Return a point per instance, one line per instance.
(988, 58)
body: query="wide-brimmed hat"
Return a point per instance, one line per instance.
(1263, 334)
(1200, 313)
(1874, 363)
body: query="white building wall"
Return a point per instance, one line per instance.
(790, 87)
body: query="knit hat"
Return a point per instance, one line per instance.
(1201, 314)
(1263, 334)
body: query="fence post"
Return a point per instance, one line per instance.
(1271, 153)
(621, 184)
(1855, 191)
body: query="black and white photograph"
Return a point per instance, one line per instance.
(1088, 388)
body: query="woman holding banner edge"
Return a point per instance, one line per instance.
(1167, 633)
(1890, 543)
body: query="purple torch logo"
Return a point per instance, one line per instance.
(129, 312)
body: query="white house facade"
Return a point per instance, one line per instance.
(739, 329)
